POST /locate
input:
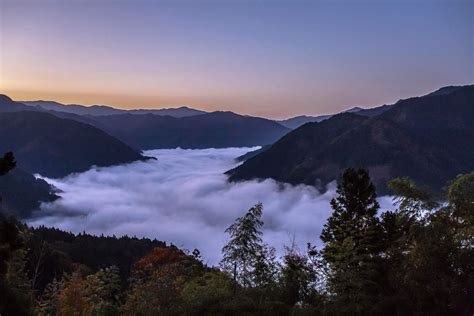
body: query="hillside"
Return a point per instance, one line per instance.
(429, 138)
(216, 130)
(55, 147)
(21, 193)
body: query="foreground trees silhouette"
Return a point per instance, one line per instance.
(352, 238)
(415, 260)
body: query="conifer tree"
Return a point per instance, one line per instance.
(240, 254)
(352, 242)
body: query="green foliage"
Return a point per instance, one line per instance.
(48, 303)
(16, 296)
(428, 258)
(411, 199)
(415, 260)
(209, 294)
(297, 279)
(352, 242)
(241, 253)
(104, 288)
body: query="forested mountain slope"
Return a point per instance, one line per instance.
(429, 138)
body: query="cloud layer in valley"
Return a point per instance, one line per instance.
(184, 198)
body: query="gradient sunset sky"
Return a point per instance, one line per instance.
(267, 58)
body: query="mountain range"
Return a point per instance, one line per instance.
(216, 130)
(55, 140)
(429, 139)
(98, 110)
(170, 128)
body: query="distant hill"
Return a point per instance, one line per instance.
(170, 128)
(211, 130)
(429, 138)
(298, 121)
(8, 105)
(21, 193)
(54, 147)
(98, 110)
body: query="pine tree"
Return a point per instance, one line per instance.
(265, 268)
(352, 243)
(240, 254)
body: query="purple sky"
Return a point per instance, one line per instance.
(268, 58)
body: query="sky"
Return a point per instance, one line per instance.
(267, 58)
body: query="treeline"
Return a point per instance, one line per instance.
(416, 260)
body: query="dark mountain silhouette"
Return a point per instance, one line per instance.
(22, 193)
(8, 105)
(298, 121)
(216, 129)
(445, 90)
(170, 128)
(54, 147)
(97, 110)
(429, 138)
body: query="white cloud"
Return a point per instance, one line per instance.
(184, 198)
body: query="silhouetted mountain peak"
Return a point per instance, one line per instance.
(5, 98)
(446, 90)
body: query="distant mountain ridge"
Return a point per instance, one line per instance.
(55, 147)
(170, 128)
(428, 138)
(210, 130)
(297, 121)
(99, 110)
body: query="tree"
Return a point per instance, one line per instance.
(265, 269)
(73, 299)
(241, 253)
(157, 281)
(298, 278)
(7, 163)
(428, 251)
(48, 303)
(209, 294)
(352, 244)
(103, 290)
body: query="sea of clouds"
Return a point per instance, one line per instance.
(184, 198)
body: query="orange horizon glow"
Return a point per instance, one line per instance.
(238, 56)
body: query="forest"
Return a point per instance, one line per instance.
(414, 260)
